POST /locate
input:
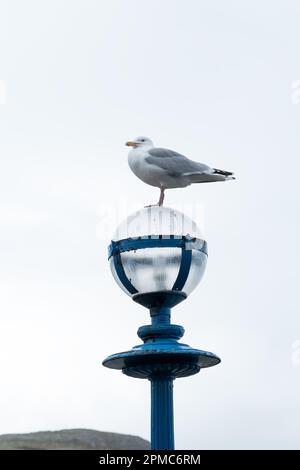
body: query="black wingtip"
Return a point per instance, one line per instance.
(222, 172)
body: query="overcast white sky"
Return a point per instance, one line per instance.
(214, 80)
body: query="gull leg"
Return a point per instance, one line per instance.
(161, 197)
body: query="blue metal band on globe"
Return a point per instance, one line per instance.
(157, 241)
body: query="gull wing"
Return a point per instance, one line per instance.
(174, 163)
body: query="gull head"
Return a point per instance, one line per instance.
(140, 142)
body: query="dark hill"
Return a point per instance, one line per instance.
(72, 439)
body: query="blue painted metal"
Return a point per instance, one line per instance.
(185, 265)
(161, 359)
(157, 241)
(162, 413)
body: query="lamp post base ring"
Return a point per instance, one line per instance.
(169, 357)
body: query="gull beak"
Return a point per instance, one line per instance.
(130, 143)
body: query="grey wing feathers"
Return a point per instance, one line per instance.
(174, 163)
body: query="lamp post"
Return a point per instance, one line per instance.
(158, 257)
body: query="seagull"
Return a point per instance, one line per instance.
(167, 169)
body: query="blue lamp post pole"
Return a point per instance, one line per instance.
(162, 413)
(161, 358)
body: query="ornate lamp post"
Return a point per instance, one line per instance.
(158, 257)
